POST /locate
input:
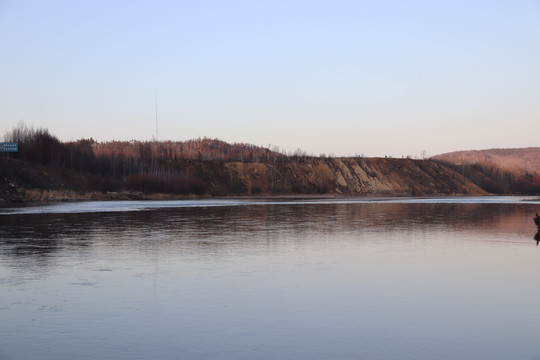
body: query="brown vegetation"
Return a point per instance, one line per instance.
(515, 160)
(210, 167)
(499, 171)
(497, 180)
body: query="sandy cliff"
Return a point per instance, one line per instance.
(355, 176)
(331, 176)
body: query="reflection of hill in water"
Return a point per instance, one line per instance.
(36, 238)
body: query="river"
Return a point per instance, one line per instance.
(359, 278)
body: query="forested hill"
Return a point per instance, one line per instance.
(526, 159)
(499, 171)
(45, 168)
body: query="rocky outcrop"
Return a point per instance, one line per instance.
(349, 176)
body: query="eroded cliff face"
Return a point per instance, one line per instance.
(354, 176)
(330, 176)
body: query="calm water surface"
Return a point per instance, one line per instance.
(350, 279)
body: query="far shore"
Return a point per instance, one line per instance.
(52, 196)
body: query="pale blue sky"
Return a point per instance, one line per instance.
(336, 77)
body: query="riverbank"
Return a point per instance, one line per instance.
(41, 195)
(30, 182)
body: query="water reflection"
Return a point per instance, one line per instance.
(311, 281)
(35, 239)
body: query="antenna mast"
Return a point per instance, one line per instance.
(155, 101)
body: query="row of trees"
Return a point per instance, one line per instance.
(197, 149)
(497, 180)
(139, 165)
(124, 157)
(136, 169)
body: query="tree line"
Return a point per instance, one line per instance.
(139, 166)
(496, 180)
(167, 166)
(148, 166)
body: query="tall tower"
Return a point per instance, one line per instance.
(155, 103)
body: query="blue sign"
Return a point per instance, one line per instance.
(9, 147)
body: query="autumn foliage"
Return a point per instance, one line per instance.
(497, 180)
(210, 165)
(134, 165)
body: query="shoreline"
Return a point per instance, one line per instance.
(311, 178)
(41, 196)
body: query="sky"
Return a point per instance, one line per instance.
(342, 78)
